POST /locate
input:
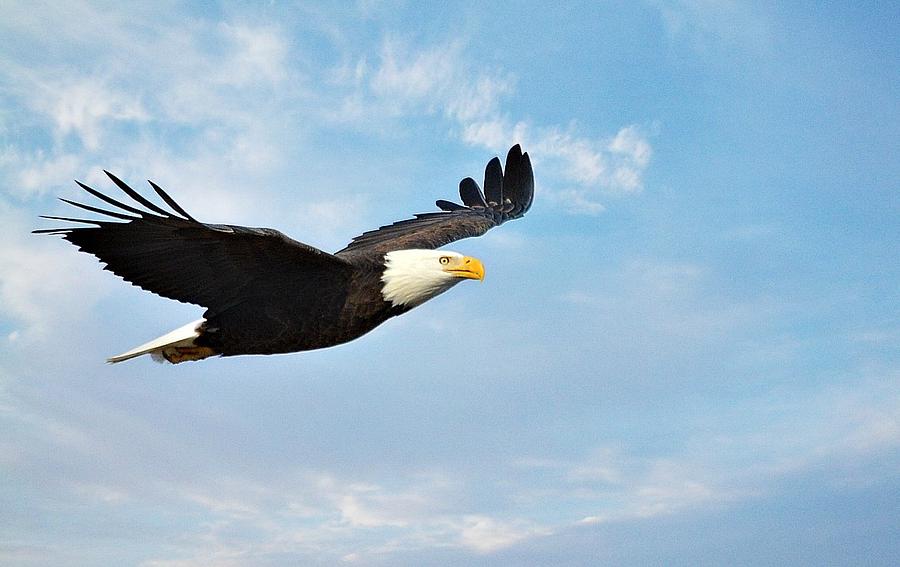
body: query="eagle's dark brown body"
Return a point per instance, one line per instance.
(332, 318)
(265, 293)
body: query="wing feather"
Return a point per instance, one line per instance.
(216, 266)
(110, 200)
(170, 201)
(493, 182)
(97, 210)
(471, 194)
(137, 196)
(518, 182)
(507, 196)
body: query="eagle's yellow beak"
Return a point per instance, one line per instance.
(467, 267)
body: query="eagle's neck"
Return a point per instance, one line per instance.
(412, 277)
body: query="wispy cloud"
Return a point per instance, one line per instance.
(606, 383)
(576, 170)
(836, 426)
(707, 25)
(316, 513)
(484, 534)
(622, 487)
(257, 55)
(35, 174)
(215, 88)
(38, 280)
(252, 514)
(249, 514)
(83, 106)
(440, 79)
(238, 100)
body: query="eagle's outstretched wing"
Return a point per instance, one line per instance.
(217, 266)
(507, 195)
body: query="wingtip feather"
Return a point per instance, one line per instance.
(170, 201)
(137, 196)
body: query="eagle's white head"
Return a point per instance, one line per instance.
(412, 277)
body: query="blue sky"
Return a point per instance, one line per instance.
(687, 353)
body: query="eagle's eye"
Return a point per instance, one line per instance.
(445, 260)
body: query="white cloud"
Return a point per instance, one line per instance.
(493, 133)
(39, 276)
(372, 506)
(348, 520)
(199, 108)
(575, 169)
(36, 173)
(578, 170)
(485, 534)
(852, 421)
(627, 487)
(228, 83)
(259, 55)
(215, 112)
(234, 93)
(709, 25)
(84, 106)
(630, 153)
(670, 486)
(836, 429)
(437, 79)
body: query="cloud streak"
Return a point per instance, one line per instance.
(688, 357)
(576, 170)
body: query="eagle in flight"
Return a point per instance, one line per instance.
(265, 293)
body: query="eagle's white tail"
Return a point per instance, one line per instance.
(171, 346)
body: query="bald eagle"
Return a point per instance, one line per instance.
(265, 293)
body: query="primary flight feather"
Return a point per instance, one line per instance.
(265, 293)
